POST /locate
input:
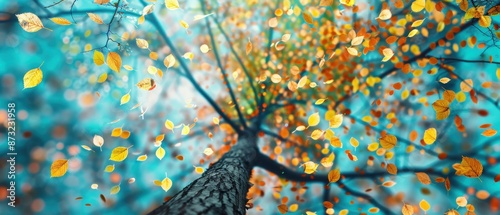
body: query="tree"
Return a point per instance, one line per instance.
(389, 107)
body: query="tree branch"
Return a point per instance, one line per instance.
(223, 71)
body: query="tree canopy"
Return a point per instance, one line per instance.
(307, 106)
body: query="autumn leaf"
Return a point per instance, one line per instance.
(424, 205)
(423, 178)
(430, 136)
(32, 78)
(98, 58)
(29, 22)
(392, 169)
(125, 98)
(166, 184)
(146, 84)
(418, 5)
(172, 4)
(388, 141)
(142, 158)
(310, 167)
(160, 153)
(407, 209)
(98, 141)
(119, 154)
(313, 120)
(471, 167)
(60, 21)
(58, 168)
(142, 43)
(115, 189)
(114, 61)
(95, 18)
(442, 108)
(336, 121)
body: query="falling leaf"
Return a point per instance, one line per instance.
(125, 98)
(142, 158)
(199, 170)
(185, 130)
(283, 209)
(307, 17)
(146, 84)
(489, 132)
(101, 1)
(392, 169)
(184, 24)
(119, 154)
(109, 168)
(347, 2)
(98, 141)
(352, 51)
(32, 78)
(115, 189)
(114, 61)
(160, 153)
(60, 21)
(98, 58)
(116, 132)
(417, 23)
(442, 108)
(103, 198)
(424, 205)
(470, 167)
(166, 184)
(273, 22)
(148, 9)
(169, 125)
(142, 43)
(413, 33)
(385, 14)
(86, 147)
(29, 22)
(444, 80)
(172, 4)
(388, 183)
(354, 143)
(407, 209)
(430, 136)
(336, 121)
(423, 177)
(484, 21)
(58, 168)
(418, 5)
(310, 167)
(94, 186)
(248, 47)
(388, 54)
(313, 120)
(325, 3)
(461, 201)
(388, 141)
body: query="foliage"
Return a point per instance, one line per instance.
(360, 106)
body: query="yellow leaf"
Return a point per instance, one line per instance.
(142, 158)
(169, 125)
(307, 17)
(184, 24)
(388, 141)
(114, 61)
(407, 209)
(424, 205)
(172, 4)
(58, 168)
(188, 55)
(115, 189)
(185, 130)
(215, 120)
(160, 153)
(336, 121)
(109, 168)
(442, 108)
(116, 132)
(199, 170)
(29, 22)
(146, 84)
(313, 120)
(430, 136)
(166, 184)
(141, 20)
(316, 134)
(418, 5)
(157, 183)
(169, 61)
(357, 40)
(474, 12)
(319, 101)
(444, 80)
(460, 96)
(485, 21)
(60, 21)
(334, 175)
(119, 154)
(417, 23)
(413, 33)
(98, 58)
(310, 167)
(354, 142)
(32, 78)
(347, 2)
(152, 70)
(302, 82)
(142, 43)
(373, 146)
(102, 78)
(86, 147)
(385, 14)
(461, 201)
(388, 53)
(355, 84)
(335, 142)
(125, 98)
(101, 1)
(148, 9)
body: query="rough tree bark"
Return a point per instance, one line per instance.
(222, 189)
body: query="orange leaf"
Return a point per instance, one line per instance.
(423, 177)
(388, 141)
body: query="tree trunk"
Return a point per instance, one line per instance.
(222, 189)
